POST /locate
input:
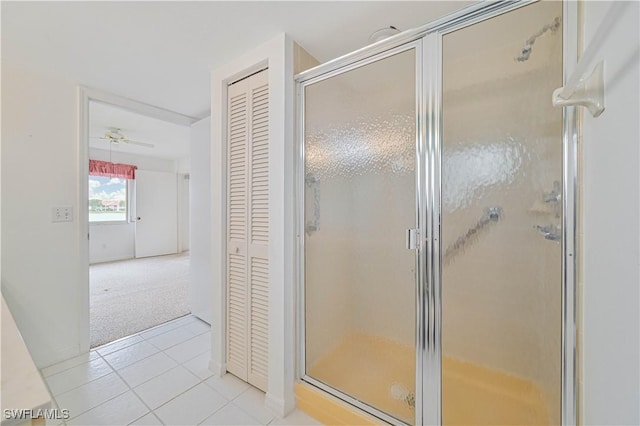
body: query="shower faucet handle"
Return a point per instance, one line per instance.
(555, 195)
(550, 232)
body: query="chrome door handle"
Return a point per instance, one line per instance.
(412, 239)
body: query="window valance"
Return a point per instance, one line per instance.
(105, 168)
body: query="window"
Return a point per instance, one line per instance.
(107, 199)
(109, 185)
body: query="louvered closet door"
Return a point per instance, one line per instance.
(237, 231)
(248, 229)
(258, 229)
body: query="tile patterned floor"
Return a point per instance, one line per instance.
(157, 377)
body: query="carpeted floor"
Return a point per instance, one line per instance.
(133, 295)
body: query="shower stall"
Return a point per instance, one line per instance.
(435, 186)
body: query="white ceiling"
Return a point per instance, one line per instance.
(171, 141)
(161, 53)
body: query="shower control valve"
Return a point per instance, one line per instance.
(555, 195)
(550, 232)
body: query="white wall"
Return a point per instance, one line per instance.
(610, 233)
(42, 276)
(109, 242)
(200, 213)
(184, 197)
(143, 162)
(116, 241)
(184, 165)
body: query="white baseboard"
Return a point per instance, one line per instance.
(279, 405)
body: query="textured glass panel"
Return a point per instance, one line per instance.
(501, 218)
(360, 155)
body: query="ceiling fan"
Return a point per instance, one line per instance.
(115, 136)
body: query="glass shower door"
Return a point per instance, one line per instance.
(360, 199)
(501, 219)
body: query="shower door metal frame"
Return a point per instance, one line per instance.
(429, 186)
(302, 83)
(569, 390)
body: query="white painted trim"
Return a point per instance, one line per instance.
(83, 219)
(139, 107)
(217, 369)
(179, 211)
(275, 404)
(277, 55)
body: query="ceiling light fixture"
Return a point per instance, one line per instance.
(383, 33)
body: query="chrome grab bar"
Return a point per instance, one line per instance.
(491, 214)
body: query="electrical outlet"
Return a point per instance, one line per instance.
(62, 214)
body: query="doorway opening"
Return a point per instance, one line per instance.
(138, 221)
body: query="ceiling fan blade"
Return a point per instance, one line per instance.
(111, 137)
(147, 145)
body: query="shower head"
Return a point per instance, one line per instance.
(525, 52)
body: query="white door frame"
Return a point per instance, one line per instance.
(277, 55)
(85, 96)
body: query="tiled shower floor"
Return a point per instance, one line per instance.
(157, 377)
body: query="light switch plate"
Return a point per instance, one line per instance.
(62, 214)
